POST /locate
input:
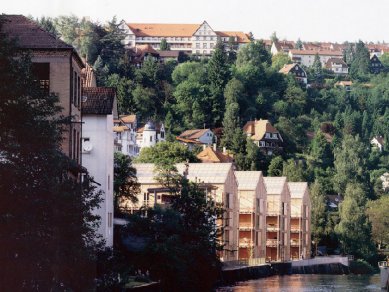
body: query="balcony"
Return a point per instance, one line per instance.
(272, 227)
(245, 242)
(271, 242)
(295, 229)
(294, 242)
(245, 225)
(246, 210)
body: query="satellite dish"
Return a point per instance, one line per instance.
(87, 147)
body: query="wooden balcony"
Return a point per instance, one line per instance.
(246, 226)
(294, 242)
(271, 242)
(272, 227)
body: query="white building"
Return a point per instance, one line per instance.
(307, 57)
(197, 39)
(337, 65)
(125, 135)
(197, 137)
(150, 135)
(98, 111)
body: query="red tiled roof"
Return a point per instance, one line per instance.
(210, 155)
(241, 36)
(258, 129)
(287, 68)
(128, 118)
(163, 29)
(319, 52)
(193, 134)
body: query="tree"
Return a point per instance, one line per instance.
(319, 215)
(164, 46)
(166, 153)
(350, 163)
(384, 58)
(47, 23)
(294, 170)
(378, 213)
(279, 60)
(320, 151)
(317, 69)
(125, 184)
(354, 229)
(48, 231)
(299, 44)
(218, 75)
(254, 53)
(177, 234)
(360, 65)
(274, 37)
(275, 166)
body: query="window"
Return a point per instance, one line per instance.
(41, 71)
(109, 219)
(204, 52)
(162, 135)
(211, 45)
(151, 138)
(74, 87)
(204, 45)
(227, 200)
(109, 182)
(267, 135)
(197, 45)
(78, 91)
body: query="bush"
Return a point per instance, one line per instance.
(361, 267)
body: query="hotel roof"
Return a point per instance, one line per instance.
(163, 29)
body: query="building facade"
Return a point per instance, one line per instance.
(57, 68)
(218, 181)
(264, 135)
(307, 57)
(99, 111)
(295, 69)
(252, 215)
(196, 39)
(277, 219)
(300, 218)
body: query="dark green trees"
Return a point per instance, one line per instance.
(164, 46)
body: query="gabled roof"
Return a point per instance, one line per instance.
(29, 35)
(259, 128)
(274, 184)
(193, 134)
(287, 67)
(120, 129)
(163, 29)
(248, 180)
(216, 173)
(297, 189)
(337, 61)
(239, 35)
(379, 139)
(99, 100)
(282, 45)
(210, 155)
(314, 52)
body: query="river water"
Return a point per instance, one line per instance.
(307, 283)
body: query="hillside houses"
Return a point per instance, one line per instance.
(295, 69)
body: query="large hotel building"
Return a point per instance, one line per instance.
(199, 39)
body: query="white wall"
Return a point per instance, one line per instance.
(99, 162)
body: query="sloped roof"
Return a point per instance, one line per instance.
(274, 185)
(163, 29)
(314, 52)
(193, 134)
(169, 54)
(29, 35)
(336, 61)
(248, 180)
(258, 128)
(128, 118)
(215, 173)
(210, 155)
(281, 45)
(241, 36)
(297, 189)
(287, 67)
(100, 100)
(120, 129)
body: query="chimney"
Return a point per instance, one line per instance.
(214, 146)
(224, 150)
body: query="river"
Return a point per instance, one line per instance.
(307, 283)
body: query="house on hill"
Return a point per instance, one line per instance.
(282, 47)
(57, 68)
(196, 137)
(295, 69)
(378, 142)
(307, 57)
(337, 65)
(376, 66)
(150, 134)
(264, 135)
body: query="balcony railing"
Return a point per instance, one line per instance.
(271, 242)
(246, 225)
(272, 227)
(245, 243)
(295, 229)
(294, 242)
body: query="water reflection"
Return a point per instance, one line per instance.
(307, 283)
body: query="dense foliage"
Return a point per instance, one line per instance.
(326, 128)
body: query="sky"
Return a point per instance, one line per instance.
(309, 20)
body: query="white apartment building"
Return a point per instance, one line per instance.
(307, 57)
(197, 39)
(98, 111)
(125, 135)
